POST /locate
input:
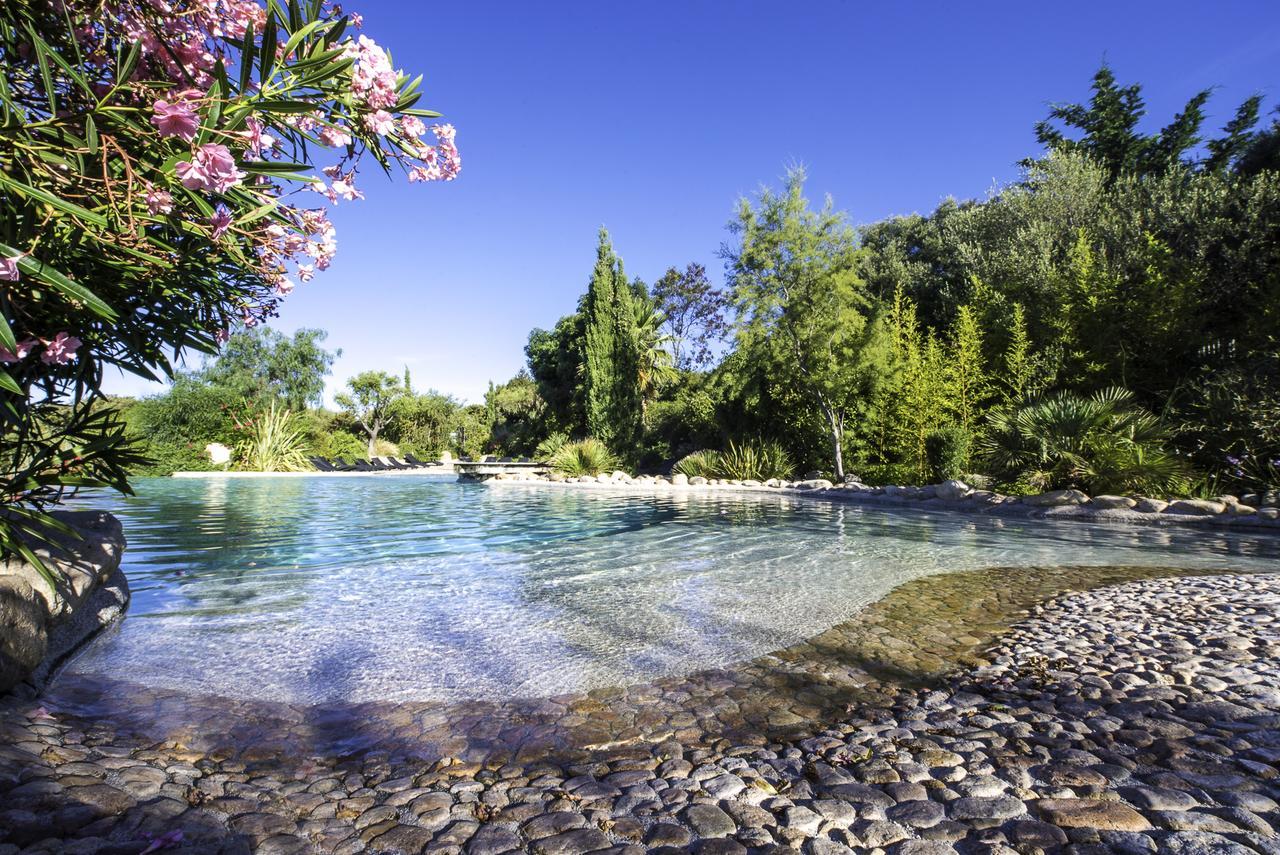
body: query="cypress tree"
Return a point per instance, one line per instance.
(610, 366)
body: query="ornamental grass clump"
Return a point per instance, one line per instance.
(758, 461)
(583, 457)
(698, 463)
(166, 170)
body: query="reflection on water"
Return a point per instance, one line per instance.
(396, 589)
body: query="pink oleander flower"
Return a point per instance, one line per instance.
(357, 20)
(159, 201)
(334, 137)
(306, 272)
(220, 221)
(211, 168)
(175, 119)
(444, 133)
(60, 350)
(412, 126)
(381, 122)
(345, 188)
(258, 141)
(284, 287)
(9, 357)
(9, 269)
(222, 336)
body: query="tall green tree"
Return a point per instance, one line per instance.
(370, 400)
(555, 360)
(610, 365)
(260, 363)
(801, 305)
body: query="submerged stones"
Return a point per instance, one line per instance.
(1139, 717)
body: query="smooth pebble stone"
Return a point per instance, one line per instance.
(709, 821)
(571, 842)
(1200, 843)
(917, 814)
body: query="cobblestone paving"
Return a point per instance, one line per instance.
(1143, 716)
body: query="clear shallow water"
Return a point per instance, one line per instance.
(314, 590)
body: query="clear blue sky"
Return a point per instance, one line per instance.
(652, 118)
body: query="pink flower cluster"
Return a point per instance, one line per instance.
(59, 350)
(374, 80)
(441, 162)
(211, 168)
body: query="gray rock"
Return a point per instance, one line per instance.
(1113, 502)
(1196, 507)
(952, 491)
(1056, 498)
(813, 484)
(1150, 506)
(709, 821)
(917, 814)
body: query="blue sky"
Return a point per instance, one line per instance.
(652, 118)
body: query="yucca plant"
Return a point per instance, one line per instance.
(1103, 443)
(274, 444)
(704, 463)
(584, 457)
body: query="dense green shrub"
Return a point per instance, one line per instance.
(1103, 443)
(947, 450)
(584, 457)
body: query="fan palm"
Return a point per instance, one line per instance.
(655, 366)
(1102, 443)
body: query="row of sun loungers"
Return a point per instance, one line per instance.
(374, 465)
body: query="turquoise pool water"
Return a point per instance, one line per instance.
(314, 590)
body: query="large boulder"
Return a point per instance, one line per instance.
(1113, 503)
(952, 491)
(1056, 499)
(1196, 507)
(813, 484)
(41, 623)
(1150, 506)
(680, 479)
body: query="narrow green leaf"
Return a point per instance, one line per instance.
(7, 382)
(276, 105)
(267, 55)
(7, 339)
(130, 63)
(50, 199)
(297, 37)
(91, 134)
(64, 286)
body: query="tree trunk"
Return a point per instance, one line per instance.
(373, 442)
(837, 443)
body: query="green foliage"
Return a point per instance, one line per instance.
(260, 364)
(611, 367)
(550, 447)
(1103, 443)
(370, 401)
(516, 415)
(420, 424)
(739, 461)
(273, 443)
(704, 463)
(556, 364)
(754, 460)
(802, 309)
(584, 457)
(947, 452)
